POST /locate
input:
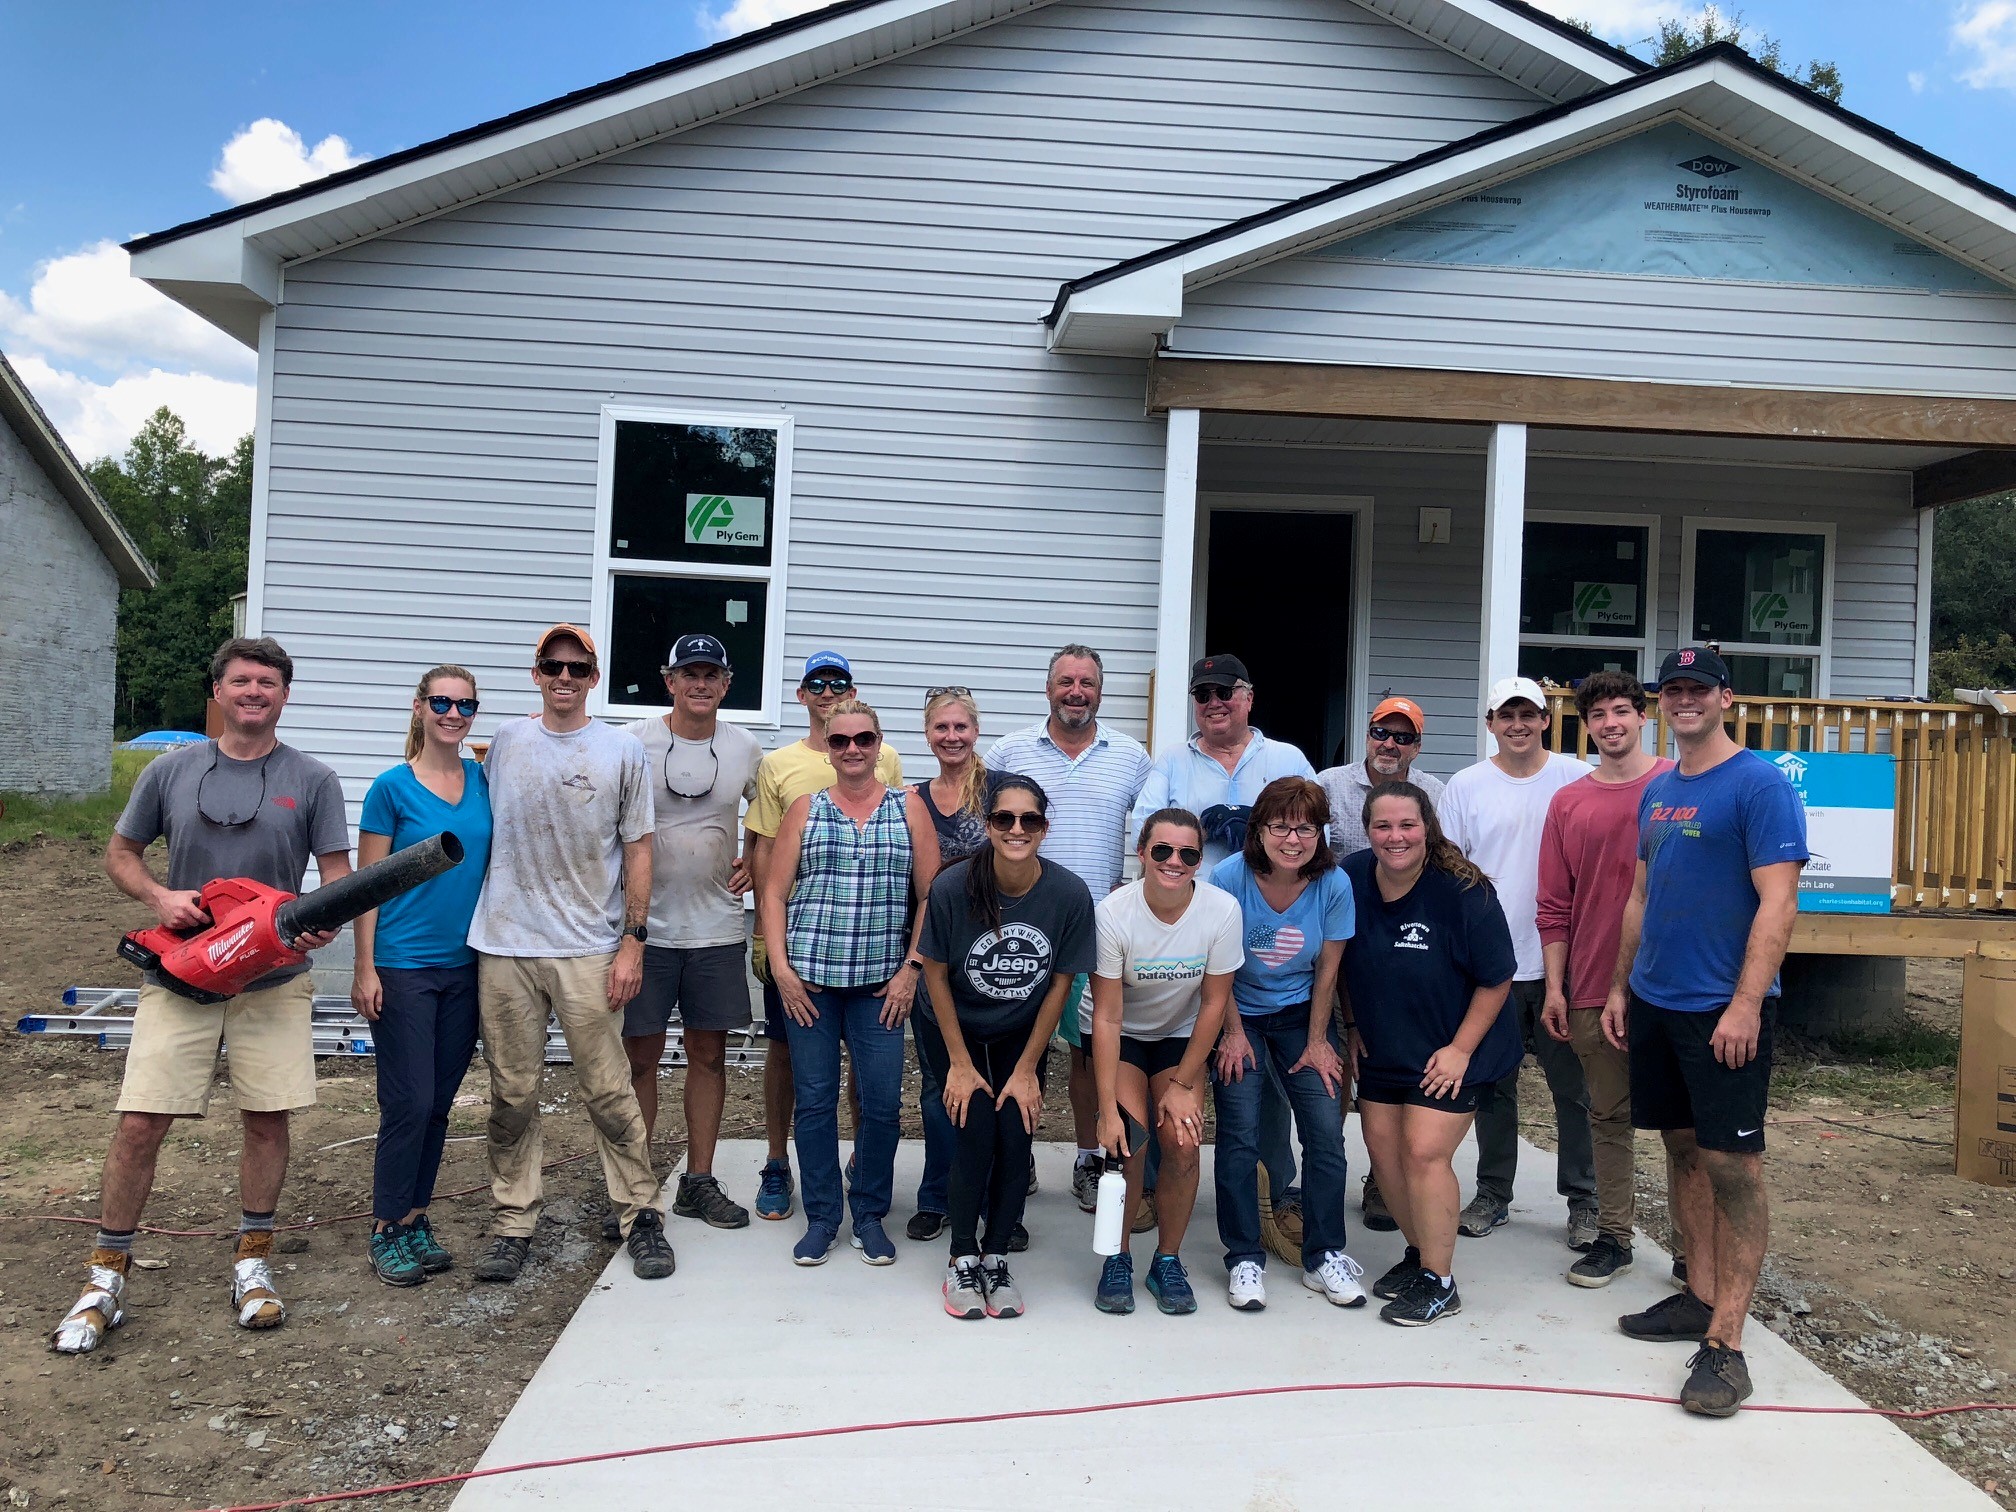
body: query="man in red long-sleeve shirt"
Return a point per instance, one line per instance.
(1588, 858)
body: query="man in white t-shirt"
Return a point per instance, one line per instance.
(1496, 812)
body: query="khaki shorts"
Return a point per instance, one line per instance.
(172, 1063)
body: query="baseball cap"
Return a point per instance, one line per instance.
(553, 633)
(823, 661)
(1694, 664)
(698, 651)
(1406, 707)
(1218, 669)
(1506, 689)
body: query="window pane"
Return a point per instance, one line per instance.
(647, 614)
(1568, 665)
(1771, 676)
(1758, 588)
(693, 493)
(1583, 580)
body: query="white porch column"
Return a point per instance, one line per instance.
(1504, 560)
(1179, 551)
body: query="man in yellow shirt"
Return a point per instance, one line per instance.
(787, 774)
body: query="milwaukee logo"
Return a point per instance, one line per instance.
(226, 948)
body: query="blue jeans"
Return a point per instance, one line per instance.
(940, 1137)
(1276, 1152)
(1279, 1038)
(853, 1014)
(424, 1039)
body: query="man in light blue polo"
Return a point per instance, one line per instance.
(1092, 774)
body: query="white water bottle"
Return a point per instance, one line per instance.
(1109, 1222)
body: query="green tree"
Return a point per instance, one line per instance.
(191, 514)
(1676, 39)
(1974, 595)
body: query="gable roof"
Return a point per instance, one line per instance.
(226, 267)
(1721, 91)
(59, 464)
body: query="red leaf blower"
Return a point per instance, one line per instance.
(252, 926)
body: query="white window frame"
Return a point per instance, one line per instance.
(1822, 654)
(1642, 644)
(601, 701)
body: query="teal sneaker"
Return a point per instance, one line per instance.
(773, 1191)
(1116, 1285)
(393, 1258)
(433, 1258)
(1169, 1285)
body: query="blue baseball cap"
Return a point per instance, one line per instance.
(820, 661)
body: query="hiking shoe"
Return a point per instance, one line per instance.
(1482, 1215)
(1169, 1285)
(924, 1224)
(814, 1247)
(965, 1291)
(1718, 1382)
(433, 1258)
(1677, 1320)
(701, 1197)
(773, 1191)
(1085, 1184)
(1679, 1276)
(1337, 1278)
(1373, 1211)
(506, 1259)
(612, 1228)
(1144, 1214)
(393, 1258)
(1428, 1300)
(1605, 1262)
(1003, 1300)
(1018, 1239)
(1582, 1228)
(1246, 1287)
(650, 1251)
(1116, 1285)
(873, 1241)
(1398, 1279)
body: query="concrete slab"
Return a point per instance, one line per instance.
(742, 1342)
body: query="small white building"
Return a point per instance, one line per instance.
(1389, 344)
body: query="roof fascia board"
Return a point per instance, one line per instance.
(59, 464)
(1588, 56)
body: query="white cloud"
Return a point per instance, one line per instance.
(748, 15)
(87, 305)
(99, 419)
(1987, 29)
(1916, 79)
(269, 156)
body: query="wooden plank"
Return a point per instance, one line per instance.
(1958, 479)
(1944, 936)
(1383, 393)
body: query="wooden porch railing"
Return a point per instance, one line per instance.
(1956, 782)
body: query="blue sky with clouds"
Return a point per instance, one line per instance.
(119, 117)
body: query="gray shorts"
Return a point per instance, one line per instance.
(707, 987)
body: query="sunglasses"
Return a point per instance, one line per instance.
(1213, 692)
(1398, 737)
(552, 666)
(441, 703)
(1001, 821)
(866, 740)
(1189, 855)
(828, 685)
(681, 783)
(208, 804)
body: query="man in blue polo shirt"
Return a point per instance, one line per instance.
(1721, 841)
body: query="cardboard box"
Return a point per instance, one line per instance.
(1985, 1117)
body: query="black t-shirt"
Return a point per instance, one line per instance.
(1413, 965)
(999, 976)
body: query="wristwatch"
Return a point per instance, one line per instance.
(914, 964)
(638, 933)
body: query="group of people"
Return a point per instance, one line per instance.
(1290, 943)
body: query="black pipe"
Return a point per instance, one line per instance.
(336, 904)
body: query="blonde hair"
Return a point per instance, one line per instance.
(854, 706)
(416, 732)
(973, 796)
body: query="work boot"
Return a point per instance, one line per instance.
(259, 1306)
(97, 1311)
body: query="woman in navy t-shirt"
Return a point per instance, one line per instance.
(1426, 975)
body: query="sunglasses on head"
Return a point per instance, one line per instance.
(441, 703)
(840, 682)
(552, 666)
(1213, 692)
(1398, 737)
(865, 739)
(1162, 850)
(952, 688)
(1001, 821)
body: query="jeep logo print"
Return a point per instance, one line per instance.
(1709, 167)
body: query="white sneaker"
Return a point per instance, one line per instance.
(1337, 1278)
(1246, 1288)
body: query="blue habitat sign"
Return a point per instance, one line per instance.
(1851, 828)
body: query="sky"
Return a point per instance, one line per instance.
(122, 117)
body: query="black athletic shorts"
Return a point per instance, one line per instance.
(707, 986)
(1676, 1082)
(1154, 1056)
(1465, 1099)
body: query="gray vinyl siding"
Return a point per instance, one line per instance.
(1596, 325)
(872, 256)
(1427, 600)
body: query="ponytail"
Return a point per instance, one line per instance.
(416, 733)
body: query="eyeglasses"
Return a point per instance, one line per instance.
(866, 740)
(841, 684)
(706, 789)
(1398, 737)
(552, 666)
(1001, 821)
(441, 703)
(1215, 693)
(230, 818)
(1189, 855)
(1281, 831)
(952, 688)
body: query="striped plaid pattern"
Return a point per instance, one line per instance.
(847, 923)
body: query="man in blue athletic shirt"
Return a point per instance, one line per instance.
(1721, 840)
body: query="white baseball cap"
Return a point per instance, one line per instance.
(1506, 689)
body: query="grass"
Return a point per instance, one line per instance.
(1911, 1066)
(30, 818)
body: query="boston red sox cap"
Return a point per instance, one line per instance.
(1694, 664)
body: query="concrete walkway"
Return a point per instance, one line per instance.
(742, 1342)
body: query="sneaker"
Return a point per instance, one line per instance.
(393, 1258)
(1018, 1239)
(506, 1259)
(1144, 1214)
(1718, 1382)
(1169, 1285)
(924, 1225)
(873, 1241)
(1003, 1300)
(1482, 1215)
(815, 1246)
(1084, 1184)
(433, 1258)
(1678, 1320)
(965, 1291)
(651, 1256)
(1337, 1278)
(612, 1228)
(1430, 1299)
(1582, 1229)
(1246, 1287)
(701, 1197)
(1373, 1210)
(1679, 1276)
(1116, 1285)
(1398, 1279)
(1605, 1262)
(773, 1191)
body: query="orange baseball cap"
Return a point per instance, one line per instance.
(1405, 706)
(547, 637)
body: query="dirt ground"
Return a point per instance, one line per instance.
(1886, 1269)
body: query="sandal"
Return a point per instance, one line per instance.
(97, 1312)
(259, 1306)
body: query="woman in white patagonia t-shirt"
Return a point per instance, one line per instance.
(1168, 946)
